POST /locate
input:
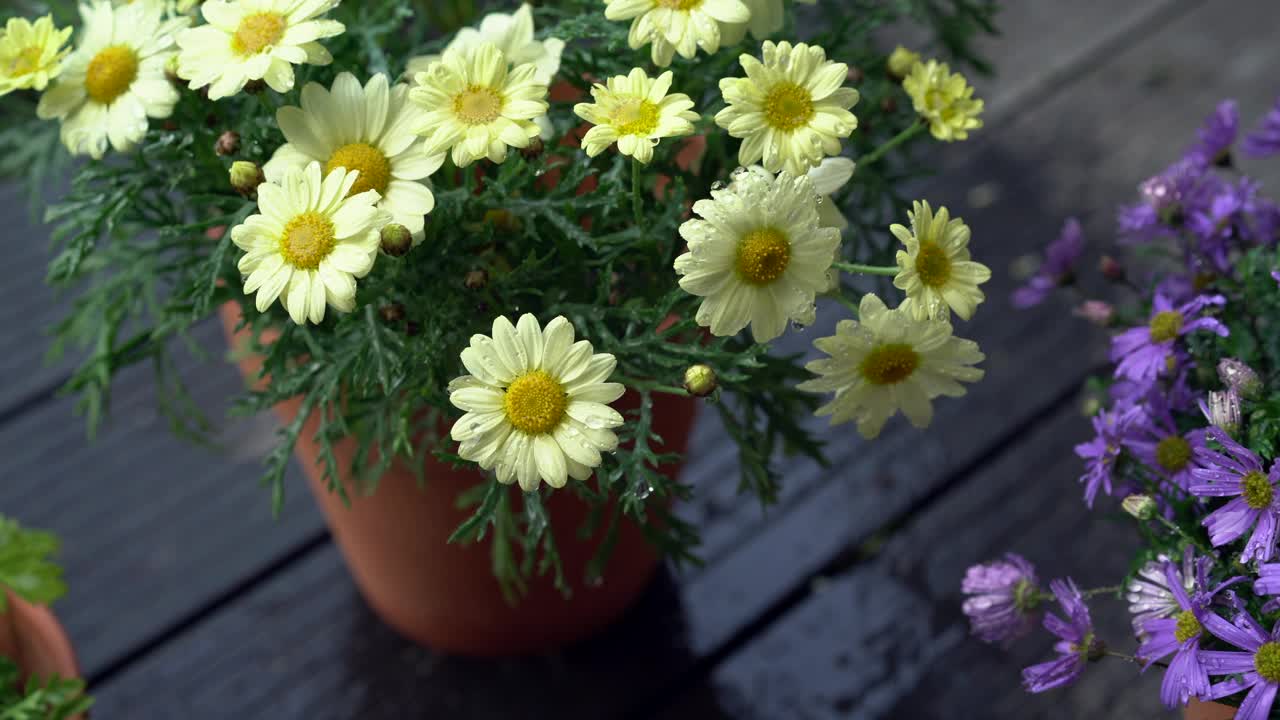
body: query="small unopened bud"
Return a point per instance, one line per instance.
(1141, 507)
(228, 143)
(475, 279)
(392, 313)
(171, 71)
(1096, 311)
(855, 75)
(246, 177)
(1090, 406)
(396, 240)
(901, 60)
(532, 150)
(502, 220)
(700, 380)
(1111, 269)
(889, 105)
(1223, 410)
(1240, 377)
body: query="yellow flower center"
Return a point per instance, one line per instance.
(763, 255)
(1188, 626)
(258, 31)
(374, 168)
(26, 61)
(1173, 453)
(110, 73)
(477, 105)
(308, 239)
(1165, 326)
(1257, 490)
(635, 117)
(535, 403)
(683, 5)
(889, 364)
(1267, 661)
(932, 265)
(788, 106)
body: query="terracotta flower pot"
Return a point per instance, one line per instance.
(1208, 711)
(33, 638)
(445, 596)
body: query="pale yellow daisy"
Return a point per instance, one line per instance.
(790, 110)
(944, 99)
(368, 129)
(31, 54)
(635, 111)
(115, 79)
(471, 104)
(828, 177)
(767, 18)
(935, 270)
(310, 243)
(255, 40)
(757, 254)
(513, 34)
(536, 403)
(887, 361)
(678, 26)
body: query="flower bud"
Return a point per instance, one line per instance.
(1111, 269)
(246, 177)
(475, 279)
(1096, 311)
(855, 76)
(502, 220)
(700, 380)
(1223, 410)
(396, 240)
(1240, 377)
(901, 60)
(1141, 507)
(228, 143)
(532, 150)
(392, 313)
(889, 105)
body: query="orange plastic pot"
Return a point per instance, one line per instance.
(34, 639)
(445, 596)
(1208, 711)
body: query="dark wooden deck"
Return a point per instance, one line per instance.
(189, 601)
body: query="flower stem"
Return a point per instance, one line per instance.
(637, 201)
(1109, 590)
(1183, 534)
(911, 131)
(886, 270)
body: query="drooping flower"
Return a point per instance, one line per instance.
(635, 111)
(1222, 410)
(366, 129)
(886, 361)
(1058, 268)
(513, 34)
(248, 40)
(828, 177)
(536, 403)
(472, 105)
(1218, 133)
(1100, 453)
(790, 110)
(1003, 597)
(935, 270)
(1256, 669)
(115, 79)
(1265, 140)
(1156, 441)
(1143, 352)
(757, 254)
(677, 26)
(31, 54)
(310, 243)
(1149, 594)
(1238, 473)
(944, 99)
(1078, 644)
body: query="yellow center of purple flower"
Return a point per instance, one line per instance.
(1165, 326)
(535, 403)
(932, 265)
(1267, 661)
(889, 364)
(1188, 626)
(1173, 453)
(1257, 490)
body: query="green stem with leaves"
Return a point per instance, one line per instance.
(637, 200)
(855, 268)
(893, 142)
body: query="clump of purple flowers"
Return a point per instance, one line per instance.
(1002, 598)
(1076, 646)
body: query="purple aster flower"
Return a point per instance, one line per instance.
(1100, 453)
(1265, 141)
(1275, 275)
(1076, 647)
(1216, 136)
(1057, 269)
(1156, 441)
(1222, 410)
(1257, 666)
(1142, 353)
(1165, 199)
(1150, 596)
(1237, 473)
(1268, 582)
(1003, 596)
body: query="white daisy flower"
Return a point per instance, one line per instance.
(255, 40)
(767, 18)
(311, 242)
(536, 403)
(677, 26)
(935, 270)
(889, 361)
(31, 54)
(828, 177)
(513, 34)
(368, 129)
(635, 111)
(790, 110)
(115, 79)
(471, 104)
(758, 255)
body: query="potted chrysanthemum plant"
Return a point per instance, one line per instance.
(38, 673)
(482, 276)
(1187, 435)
